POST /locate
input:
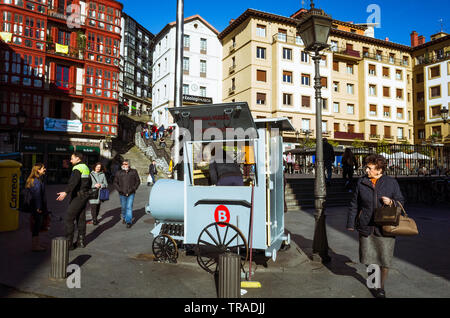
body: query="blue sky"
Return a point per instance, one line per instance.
(398, 17)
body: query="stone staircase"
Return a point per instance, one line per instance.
(300, 194)
(138, 161)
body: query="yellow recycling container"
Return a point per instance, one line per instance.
(9, 195)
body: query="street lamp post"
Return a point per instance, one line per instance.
(444, 115)
(314, 28)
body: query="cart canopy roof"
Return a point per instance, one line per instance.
(216, 121)
(283, 124)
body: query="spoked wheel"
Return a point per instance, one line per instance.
(218, 238)
(165, 249)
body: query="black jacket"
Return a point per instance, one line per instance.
(39, 198)
(328, 152)
(127, 182)
(80, 181)
(152, 170)
(366, 199)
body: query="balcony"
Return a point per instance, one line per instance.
(281, 37)
(326, 133)
(374, 137)
(347, 53)
(59, 14)
(232, 69)
(65, 51)
(231, 90)
(388, 137)
(402, 139)
(62, 88)
(422, 60)
(348, 135)
(384, 59)
(232, 47)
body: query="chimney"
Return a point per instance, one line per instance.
(421, 40)
(414, 39)
(231, 21)
(386, 39)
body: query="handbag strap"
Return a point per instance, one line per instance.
(403, 209)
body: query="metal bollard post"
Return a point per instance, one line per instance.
(229, 276)
(60, 258)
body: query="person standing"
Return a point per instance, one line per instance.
(328, 159)
(126, 182)
(153, 171)
(289, 161)
(373, 191)
(349, 163)
(38, 204)
(79, 188)
(98, 180)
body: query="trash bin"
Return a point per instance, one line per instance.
(9, 195)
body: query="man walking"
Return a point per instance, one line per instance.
(328, 158)
(78, 188)
(126, 182)
(152, 171)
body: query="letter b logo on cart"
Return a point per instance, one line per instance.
(222, 214)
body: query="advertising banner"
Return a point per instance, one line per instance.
(53, 124)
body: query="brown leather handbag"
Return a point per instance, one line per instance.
(387, 215)
(406, 226)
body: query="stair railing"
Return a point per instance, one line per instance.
(149, 148)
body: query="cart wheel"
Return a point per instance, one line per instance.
(165, 249)
(218, 238)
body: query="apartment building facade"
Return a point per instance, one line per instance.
(431, 86)
(136, 67)
(367, 83)
(60, 65)
(202, 74)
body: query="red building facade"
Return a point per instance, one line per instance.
(59, 63)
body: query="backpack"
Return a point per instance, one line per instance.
(25, 200)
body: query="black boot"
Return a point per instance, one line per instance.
(80, 242)
(95, 221)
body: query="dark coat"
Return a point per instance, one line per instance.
(152, 170)
(38, 196)
(366, 199)
(328, 153)
(127, 183)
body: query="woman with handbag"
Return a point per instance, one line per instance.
(373, 191)
(38, 204)
(99, 182)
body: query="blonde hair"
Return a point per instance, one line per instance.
(33, 175)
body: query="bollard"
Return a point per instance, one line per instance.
(60, 258)
(229, 276)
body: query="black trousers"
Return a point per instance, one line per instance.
(38, 219)
(76, 212)
(95, 209)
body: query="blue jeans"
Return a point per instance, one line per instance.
(329, 170)
(127, 207)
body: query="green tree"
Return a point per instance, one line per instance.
(358, 143)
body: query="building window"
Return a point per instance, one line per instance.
(324, 103)
(373, 130)
(185, 89)
(351, 128)
(386, 72)
(336, 127)
(186, 42)
(386, 111)
(349, 68)
(350, 89)
(323, 61)
(336, 66)
(435, 111)
(387, 131)
(306, 101)
(399, 75)
(261, 30)
(434, 72)
(287, 99)
(287, 54)
(372, 110)
(421, 115)
(202, 91)
(399, 94)
(305, 124)
(304, 57)
(334, 46)
(336, 86)
(260, 98)
(186, 65)
(391, 58)
(306, 79)
(203, 46)
(399, 113)
(435, 91)
(350, 109)
(287, 77)
(202, 68)
(419, 78)
(324, 82)
(324, 126)
(420, 97)
(372, 70)
(336, 107)
(378, 55)
(421, 133)
(372, 90)
(386, 91)
(261, 52)
(261, 76)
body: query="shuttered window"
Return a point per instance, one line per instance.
(261, 76)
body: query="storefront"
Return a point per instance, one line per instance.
(58, 163)
(91, 155)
